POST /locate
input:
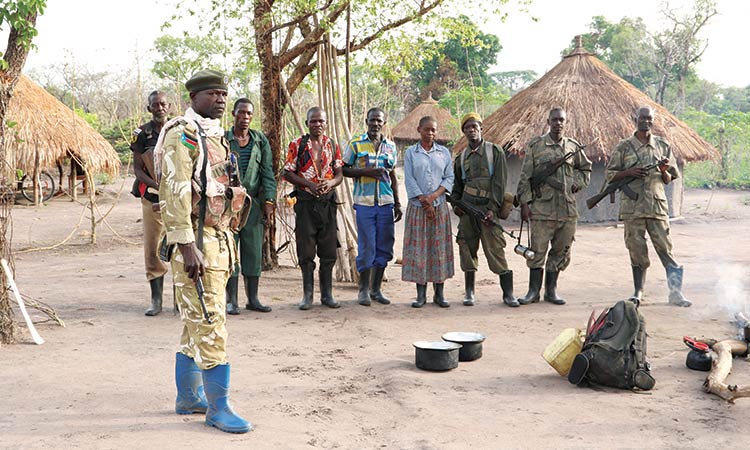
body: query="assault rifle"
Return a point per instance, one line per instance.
(621, 185)
(478, 214)
(540, 176)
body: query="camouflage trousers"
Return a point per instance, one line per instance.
(202, 341)
(558, 237)
(635, 241)
(153, 229)
(470, 234)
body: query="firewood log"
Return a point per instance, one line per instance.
(721, 367)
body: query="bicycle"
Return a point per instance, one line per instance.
(26, 185)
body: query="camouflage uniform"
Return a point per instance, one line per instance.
(203, 342)
(474, 184)
(649, 212)
(553, 214)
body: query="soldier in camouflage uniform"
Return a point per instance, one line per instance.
(480, 176)
(553, 208)
(201, 371)
(649, 211)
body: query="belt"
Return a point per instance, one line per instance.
(476, 192)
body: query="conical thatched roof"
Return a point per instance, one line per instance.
(600, 107)
(406, 130)
(45, 124)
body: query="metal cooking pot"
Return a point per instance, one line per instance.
(698, 360)
(436, 355)
(471, 344)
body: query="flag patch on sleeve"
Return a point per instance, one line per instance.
(187, 142)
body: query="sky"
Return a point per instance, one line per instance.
(109, 38)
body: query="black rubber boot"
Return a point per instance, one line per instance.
(308, 284)
(535, 287)
(421, 296)
(157, 289)
(550, 289)
(251, 291)
(639, 280)
(469, 278)
(377, 281)
(438, 298)
(363, 298)
(674, 283)
(231, 293)
(325, 274)
(506, 283)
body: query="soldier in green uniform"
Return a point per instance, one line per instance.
(649, 211)
(481, 173)
(552, 210)
(199, 210)
(255, 163)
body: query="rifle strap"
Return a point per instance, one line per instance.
(202, 203)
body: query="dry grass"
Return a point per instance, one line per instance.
(406, 130)
(46, 125)
(600, 107)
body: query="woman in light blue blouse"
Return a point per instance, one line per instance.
(428, 247)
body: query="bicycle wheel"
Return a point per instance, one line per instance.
(46, 184)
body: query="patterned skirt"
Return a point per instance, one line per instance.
(428, 247)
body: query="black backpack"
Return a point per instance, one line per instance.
(614, 352)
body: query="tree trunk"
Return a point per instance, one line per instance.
(15, 55)
(272, 103)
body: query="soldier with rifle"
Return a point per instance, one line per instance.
(554, 169)
(648, 211)
(477, 197)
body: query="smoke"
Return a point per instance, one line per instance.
(730, 286)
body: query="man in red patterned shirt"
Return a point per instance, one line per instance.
(313, 166)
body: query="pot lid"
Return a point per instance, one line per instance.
(437, 345)
(463, 337)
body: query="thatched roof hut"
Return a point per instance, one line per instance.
(46, 125)
(600, 109)
(405, 133)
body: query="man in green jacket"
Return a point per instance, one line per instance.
(255, 163)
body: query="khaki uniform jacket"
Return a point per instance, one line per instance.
(176, 185)
(553, 204)
(652, 199)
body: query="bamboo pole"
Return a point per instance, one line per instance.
(290, 103)
(348, 70)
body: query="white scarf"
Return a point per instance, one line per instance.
(213, 128)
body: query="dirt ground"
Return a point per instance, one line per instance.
(346, 379)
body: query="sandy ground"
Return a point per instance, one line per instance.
(345, 379)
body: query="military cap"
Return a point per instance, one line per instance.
(206, 79)
(471, 115)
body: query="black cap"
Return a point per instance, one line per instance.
(206, 79)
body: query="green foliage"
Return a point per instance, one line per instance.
(478, 99)
(182, 57)
(730, 133)
(15, 13)
(464, 56)
(514, 80)
(625, 47)
(90, 118)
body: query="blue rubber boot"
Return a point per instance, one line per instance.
(220, 413)
(191, 398)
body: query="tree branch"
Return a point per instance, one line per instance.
(299, 19)
(423, 9)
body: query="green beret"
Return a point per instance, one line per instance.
(206, 79)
